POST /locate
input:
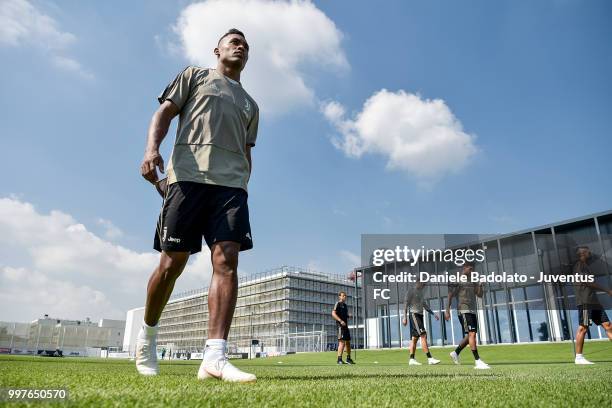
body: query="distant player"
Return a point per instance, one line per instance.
(340, 315)
(414, 304)
(466, 310)
(589, 307)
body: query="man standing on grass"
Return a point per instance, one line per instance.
(589, 307)
(340, 315)
(205, 195)
(466, 311)
(414, 304)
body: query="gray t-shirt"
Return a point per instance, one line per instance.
(466, 297)
(413, 301)
(217, 120)
(585, 295)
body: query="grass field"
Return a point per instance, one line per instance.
(526, 375)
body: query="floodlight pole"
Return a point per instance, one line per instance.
(563, 294)
(251, 333)
(355, 315)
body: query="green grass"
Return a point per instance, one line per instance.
(526, 375)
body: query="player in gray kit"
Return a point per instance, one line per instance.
(589, 307)
(466, 311)
(205, 195)
(414, 304)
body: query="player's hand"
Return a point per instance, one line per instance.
(151, 161)
(609, 292)
(437, 316)
(342, 323)
(404, 321)
(447, 315)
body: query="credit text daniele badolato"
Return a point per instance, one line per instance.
(476, 277)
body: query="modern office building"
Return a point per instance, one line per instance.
(284, 309)
(508, 312)
(72, 337)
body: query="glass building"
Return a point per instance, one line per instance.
(507, 312)
(287, 309)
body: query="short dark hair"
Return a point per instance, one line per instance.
(230, 32)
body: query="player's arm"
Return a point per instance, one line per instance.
(338, 319)
(595, 286)
(431, 312)
(158, 129)
(451, 294)
(249, 159)
(407, 299)
(479, 290)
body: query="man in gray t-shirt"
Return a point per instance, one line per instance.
(588, 306)
(205, 194)
(414, 304)
(466, 312)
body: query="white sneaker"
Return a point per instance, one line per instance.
(582, 361)
(433, 361)
(455, 357)
(412, 361)
(146, 354)
(222, 369)
(481, 365)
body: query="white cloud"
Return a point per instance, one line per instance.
(50, 263)
(283, 36)
(72, 65)
(111, 231)
(22, 24)
(420, 137)
(352, 259)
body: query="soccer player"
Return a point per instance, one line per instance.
(589, 307)
(340, 315)
(206, 195)
(415, 304)
(466, 310)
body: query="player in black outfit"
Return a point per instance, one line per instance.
(340, 315)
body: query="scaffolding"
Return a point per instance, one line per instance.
(286, 309)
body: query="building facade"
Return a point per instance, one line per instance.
(72, 337)
(284, 309)
(508, 312)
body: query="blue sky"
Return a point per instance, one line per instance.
(529, 83)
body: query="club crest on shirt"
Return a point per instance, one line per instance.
(247, 107)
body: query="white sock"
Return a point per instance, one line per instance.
(579, 356)
(148, 331)
(214, 350)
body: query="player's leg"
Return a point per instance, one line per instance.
(581, 331)
(223, 290)
(347, 348)
(159, 289)
(580, 334)
(161, 283)
(425, 347)
(412, 348)
(222, 296)
(464, 342)
(340, 347)
(472, 327)
(608, 328)
(227, 231)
